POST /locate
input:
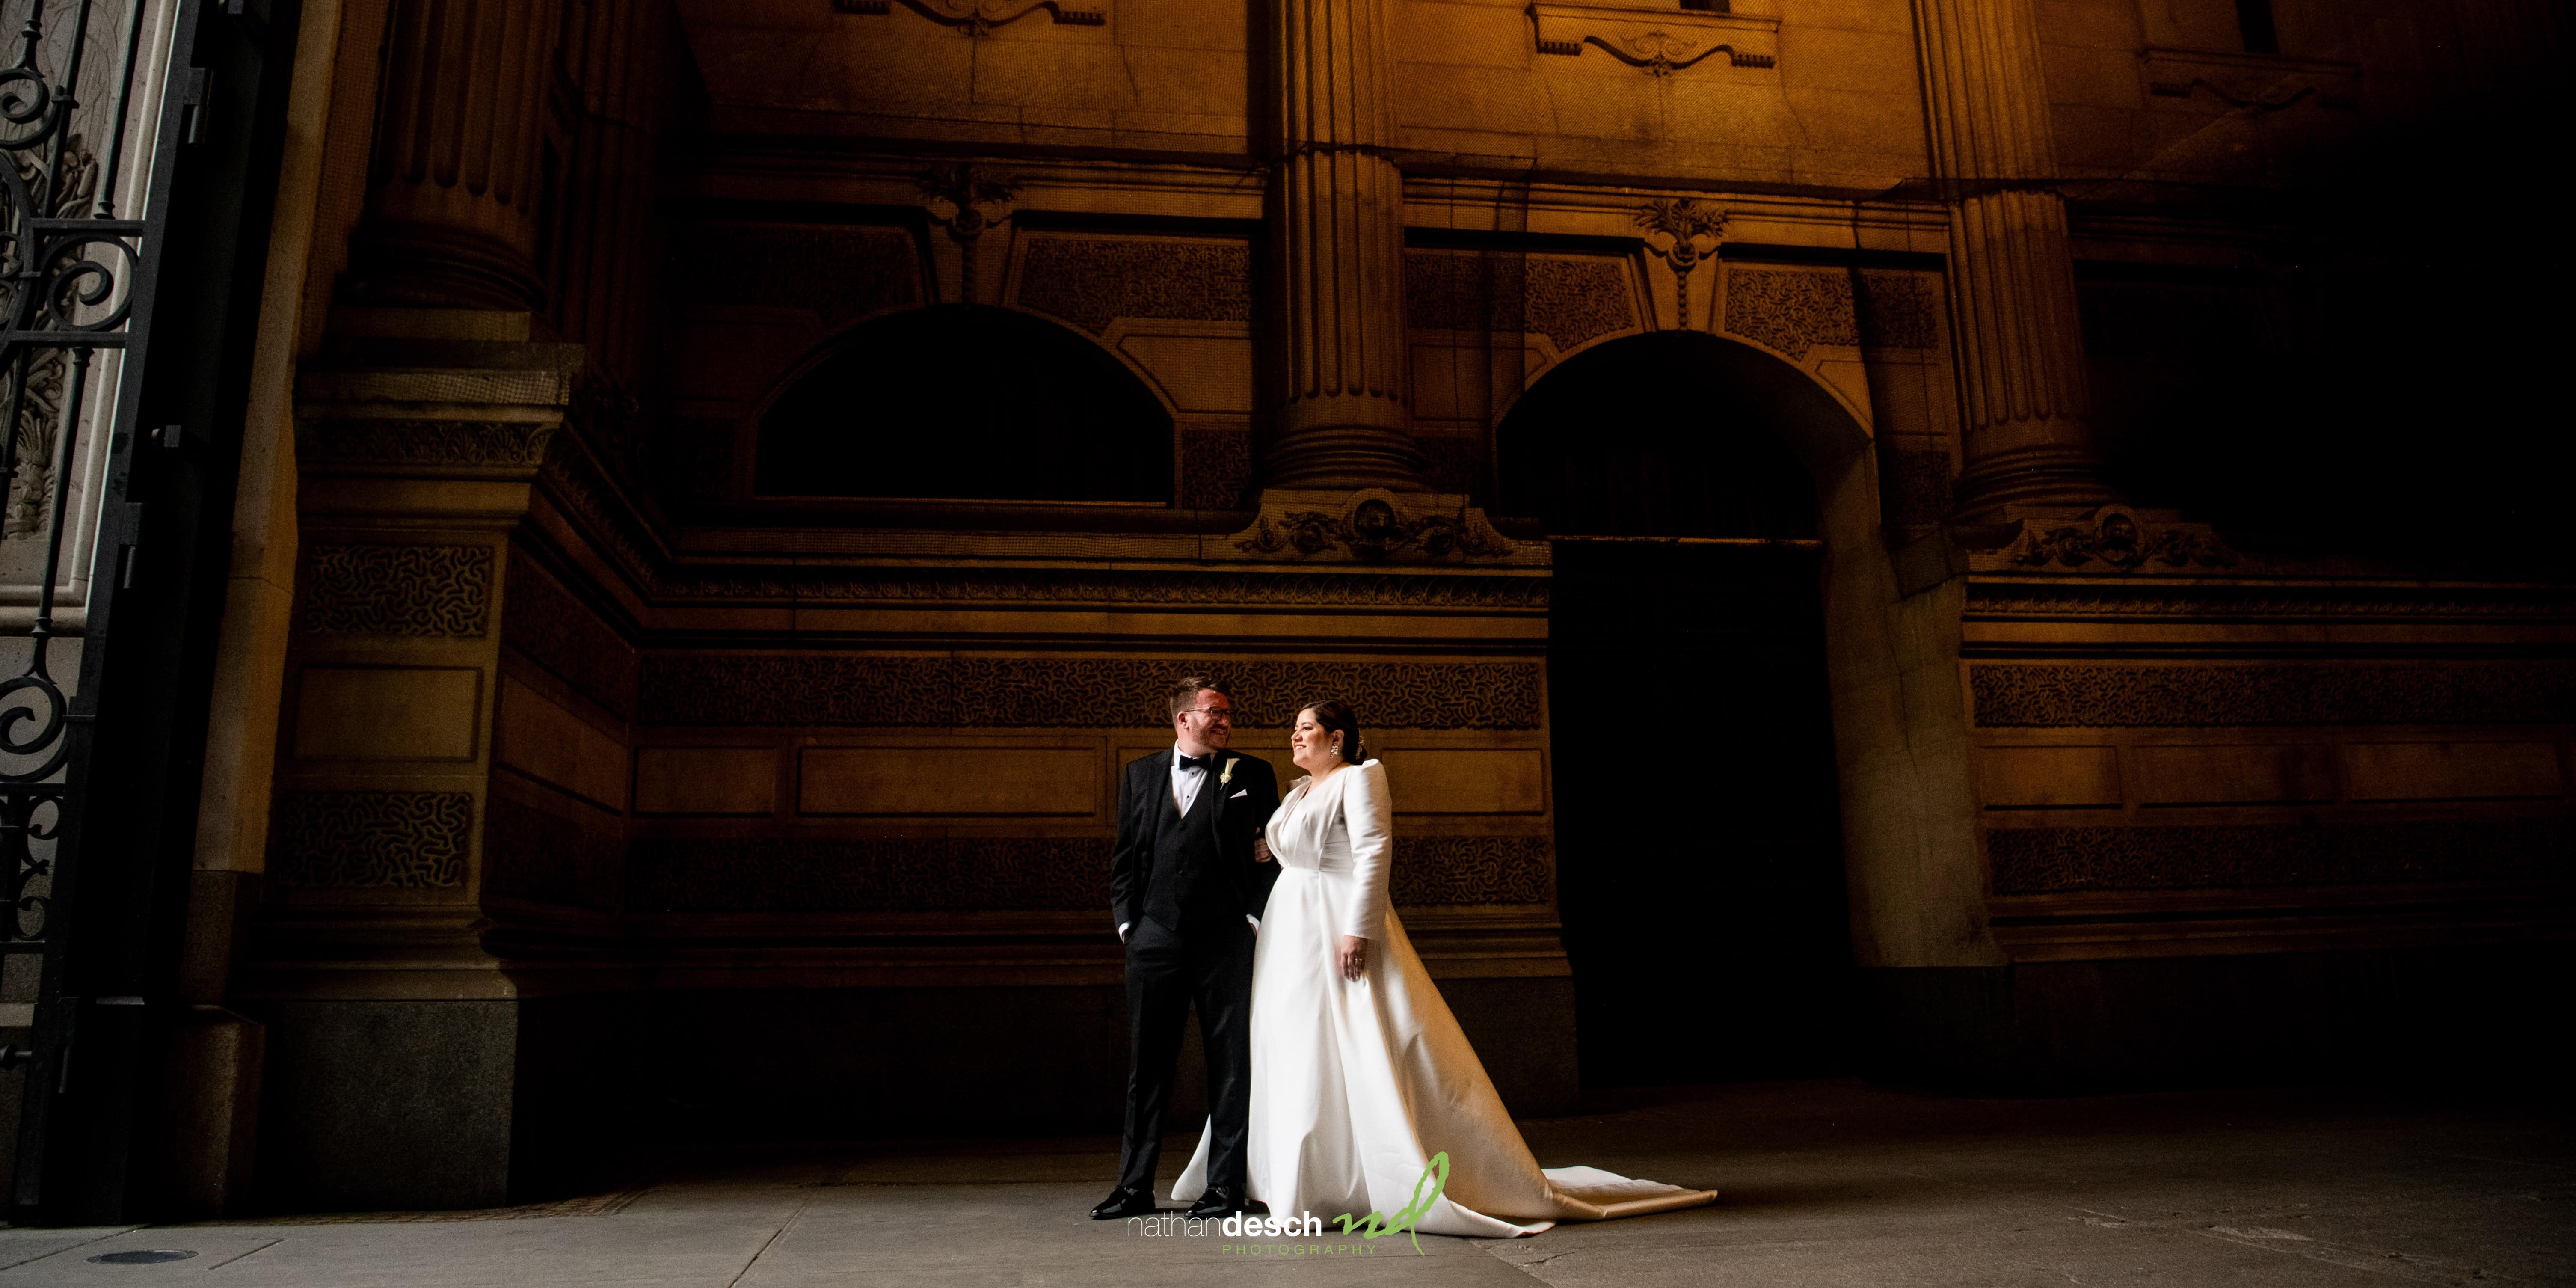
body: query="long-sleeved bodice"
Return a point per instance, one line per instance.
(1341, 829)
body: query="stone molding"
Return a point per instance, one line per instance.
(2188, 602)
(980, 17)
(2064, 860)
(1658, 42)
(1213, 589)
(371, 840)
(2262, 82)
(826, 689)
(1374, 525)
(405, 445)
(2261, 694)
(443, 591)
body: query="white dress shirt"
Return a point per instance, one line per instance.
(1186, 781)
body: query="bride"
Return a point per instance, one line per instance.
(1360, 1075)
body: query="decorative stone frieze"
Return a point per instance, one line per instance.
(1377, 526)
(2113, 539)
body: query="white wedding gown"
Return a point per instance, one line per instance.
(1356, 1084)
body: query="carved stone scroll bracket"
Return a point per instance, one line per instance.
(980, 17)
(1659, 42)
(1376, 526)
(2261, 82)
(2113, 539)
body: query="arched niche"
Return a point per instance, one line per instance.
(1691, 486)
(964, 402)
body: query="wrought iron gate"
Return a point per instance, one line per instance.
(104, 108)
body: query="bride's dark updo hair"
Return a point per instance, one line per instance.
(1336, 717)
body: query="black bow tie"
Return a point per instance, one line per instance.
(1207, 761)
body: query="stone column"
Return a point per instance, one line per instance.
(1337, 222)
(2020, 351)
(457, 182)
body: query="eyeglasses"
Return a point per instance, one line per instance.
(1225, 714)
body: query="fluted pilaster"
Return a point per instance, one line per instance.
(453, 216)
(2012, 281)
(1337, 211)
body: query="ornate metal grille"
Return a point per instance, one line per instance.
(75, 276)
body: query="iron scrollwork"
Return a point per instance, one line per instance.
(67, 269)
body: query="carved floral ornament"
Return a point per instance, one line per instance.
(1674, 229)
(1658, 42)
(2118, 539)
(1376, 526)
(980, 17)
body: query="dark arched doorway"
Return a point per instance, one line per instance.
(1699, 841)
(965, 402)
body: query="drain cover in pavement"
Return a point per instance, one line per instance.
(147, 1257)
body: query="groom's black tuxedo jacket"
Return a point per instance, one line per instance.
(1243, 807)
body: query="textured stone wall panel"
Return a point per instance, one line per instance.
(397, 590)
(1570, 301)
(1083, 693)
(1432, 871)
(1007, 874)
(542, 620)
(1092, 282)
(547, 858)
(839, 273)
(2058, 860)
(371, 840)
(2061, 696)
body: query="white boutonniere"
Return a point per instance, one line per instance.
(1228, 775)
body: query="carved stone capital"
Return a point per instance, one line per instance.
(1376, 526)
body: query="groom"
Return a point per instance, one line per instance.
(1187, 893)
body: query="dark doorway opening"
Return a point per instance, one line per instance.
(1698, 834)
(966, 402)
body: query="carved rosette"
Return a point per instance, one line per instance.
(1374, 525)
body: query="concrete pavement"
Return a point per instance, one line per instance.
(1825, 1184)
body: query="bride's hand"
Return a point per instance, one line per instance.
(1351, 957)
(1260, 849)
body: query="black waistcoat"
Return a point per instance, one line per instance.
(1189, 884)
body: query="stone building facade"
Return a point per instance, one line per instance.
(734, 477)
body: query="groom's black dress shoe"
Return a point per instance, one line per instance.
(1125, 1201)
(1216, 1203)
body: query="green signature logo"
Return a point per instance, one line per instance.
(1434, 1174)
